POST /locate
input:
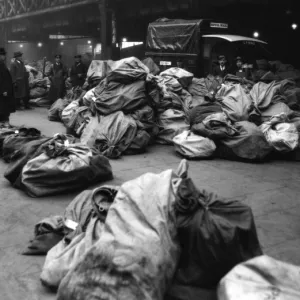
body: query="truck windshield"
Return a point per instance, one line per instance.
(249, 51)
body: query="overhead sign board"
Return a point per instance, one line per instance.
(64, 37)
(219, 25)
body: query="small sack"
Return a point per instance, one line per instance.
(281, 135)
(191, 145)
(172, 122)
(184, 77)
(127, 70)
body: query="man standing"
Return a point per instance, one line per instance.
(57, 75)
(7, 100)
(78, 72)
(222, 69)
(20, 78)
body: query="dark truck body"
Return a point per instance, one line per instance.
(193, 44)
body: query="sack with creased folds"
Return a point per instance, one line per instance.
(262, 277)
(137, 253)
(64, 168)
(281, 134)
(191, 145)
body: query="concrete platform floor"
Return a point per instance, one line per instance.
(272, 190)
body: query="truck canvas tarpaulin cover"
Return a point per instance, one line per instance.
(180, 36)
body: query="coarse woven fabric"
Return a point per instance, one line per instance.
(137, 253)
(69, 168)
(114, 96)
(215, 235)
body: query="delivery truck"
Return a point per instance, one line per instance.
(195, 45)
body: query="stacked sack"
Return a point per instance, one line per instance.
(122, 121)
(246, 121)
(172, 102)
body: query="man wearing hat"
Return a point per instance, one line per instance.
(222, 69)
(7, 100)
(78, 72)
(57, 75)
(20, 78)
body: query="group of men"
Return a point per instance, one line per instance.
(222, 69)
(14, 83)
(58, 75)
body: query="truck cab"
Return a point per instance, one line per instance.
(195, 45)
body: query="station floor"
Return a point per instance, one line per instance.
(272, 190)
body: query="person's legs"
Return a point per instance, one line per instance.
(26, 103)
(18, 103)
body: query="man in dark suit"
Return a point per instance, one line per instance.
(7, 100)
(57, 75)
(20, 78)
(78, 72)
(222, 69)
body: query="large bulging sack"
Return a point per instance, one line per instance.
(137, 253)
(98, 69)
(114, 96)
(247, 143)
(280, 134)
(111, 135)
(116, 133)
(236, 103)
(127, 71)
(184, 77)
(191, 145)
(262, 277)
(63, 168)
(215, 235)
(85, 213)
(172, 122)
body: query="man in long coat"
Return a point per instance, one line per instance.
(7, 100)
(78, 72)
(20, 78)
(57, 75)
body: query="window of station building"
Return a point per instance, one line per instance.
(84, 49)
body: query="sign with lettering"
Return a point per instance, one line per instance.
(218, 25)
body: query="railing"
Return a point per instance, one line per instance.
(14, 9)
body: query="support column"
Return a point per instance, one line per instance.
(103, 18)
(3, 37)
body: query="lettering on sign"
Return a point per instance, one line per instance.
(165, 63)
(218, 25)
